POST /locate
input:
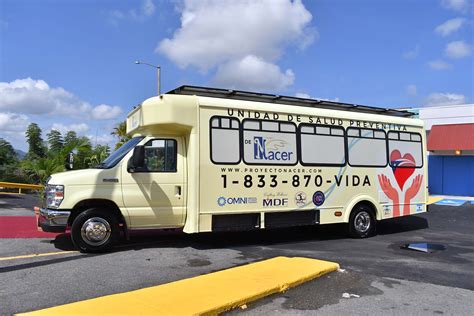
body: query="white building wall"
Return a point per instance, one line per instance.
(444, 115)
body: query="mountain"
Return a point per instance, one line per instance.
(20, 153)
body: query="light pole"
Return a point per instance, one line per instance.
(158, 72)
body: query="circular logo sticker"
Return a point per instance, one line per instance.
(318, 198)
(300, 199)
(221, 201)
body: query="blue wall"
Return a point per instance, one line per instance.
(451, 175)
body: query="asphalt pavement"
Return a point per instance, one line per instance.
(377, 276)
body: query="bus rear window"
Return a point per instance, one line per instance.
(405, 150)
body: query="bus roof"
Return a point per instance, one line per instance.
(279, 99)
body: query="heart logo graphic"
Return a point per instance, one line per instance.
(402, 167)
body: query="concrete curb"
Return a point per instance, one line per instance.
(207, 294)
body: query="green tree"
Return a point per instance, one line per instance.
(36, 148)
(83, 152)
(55, 141)
(99, 154)
(9, 171)
(39, 170)
(120, 131)
(7, 153)
(70, 138)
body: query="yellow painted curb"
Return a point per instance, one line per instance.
(434, 199)
(207, 294)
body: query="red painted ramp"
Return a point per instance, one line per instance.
(21, 227)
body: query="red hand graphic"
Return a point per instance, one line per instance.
(411, 193)
(391, 192)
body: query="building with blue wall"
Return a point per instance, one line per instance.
(450, 134)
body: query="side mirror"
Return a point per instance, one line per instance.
(137, 160)
(69, 162)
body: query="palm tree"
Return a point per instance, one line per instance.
(40, 169)
(120, 131)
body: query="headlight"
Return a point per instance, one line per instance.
(54, 195)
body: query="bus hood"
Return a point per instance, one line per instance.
(86, 177)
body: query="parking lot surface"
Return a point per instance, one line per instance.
(376, 277)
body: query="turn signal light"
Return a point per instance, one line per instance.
(338, 213)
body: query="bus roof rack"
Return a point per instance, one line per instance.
(279, 99)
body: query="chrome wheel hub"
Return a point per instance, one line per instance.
(362, 222)
(96, 231)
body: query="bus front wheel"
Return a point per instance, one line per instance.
(361, 222)
(94, 230)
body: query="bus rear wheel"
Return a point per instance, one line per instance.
(361, 222)
(94, 230)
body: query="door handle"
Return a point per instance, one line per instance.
(178, 191)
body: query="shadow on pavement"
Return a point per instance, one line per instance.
(44, 263)
(401, 225)
(204, 241)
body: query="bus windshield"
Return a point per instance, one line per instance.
(117, 155)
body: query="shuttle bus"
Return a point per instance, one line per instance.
(208, 160)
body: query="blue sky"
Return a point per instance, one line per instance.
(70, 64)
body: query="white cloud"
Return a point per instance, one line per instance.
(146, 10)
(302, 95)
(106, 112)
(412, 90)
(307, 96)
(441, 99)
(216, 34)
(80, 128)
(103, 139)
(450, 26)
(412, 54)
(456, 5)
(457, 49)
(214, 31)
(13, 122)
(439, 65)
(33, 96)
(27, 100)
(148, 7)
(116, 14)
(29, 96)
(252, 72)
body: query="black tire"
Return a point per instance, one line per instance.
(95, 230)
(362, 222)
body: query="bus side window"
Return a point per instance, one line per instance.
(405, 147)
(366, 147)
(160, 155)
(269, 142)
(322, 145)
(225, 140)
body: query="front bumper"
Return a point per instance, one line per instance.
(53, 221)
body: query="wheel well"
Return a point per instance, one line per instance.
(100, 203)
(369, 205)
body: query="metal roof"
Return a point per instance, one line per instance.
(451, 137)
(279, 99)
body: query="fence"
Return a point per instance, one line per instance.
(20, 186)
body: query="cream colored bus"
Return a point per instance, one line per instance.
(205, 159)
